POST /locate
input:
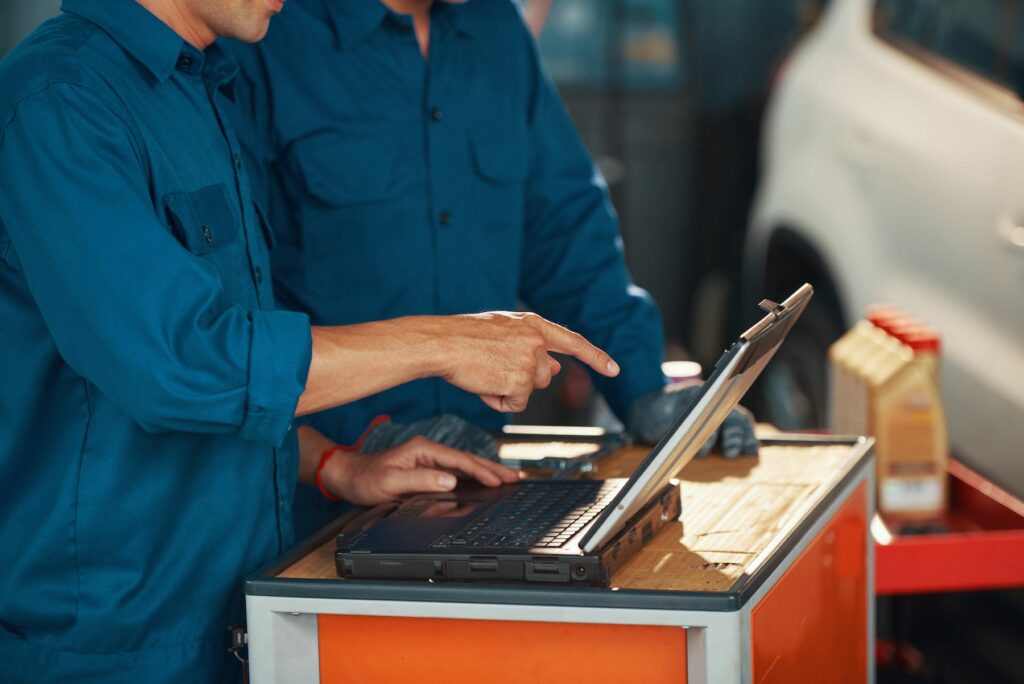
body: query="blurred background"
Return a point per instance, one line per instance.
(872, 147)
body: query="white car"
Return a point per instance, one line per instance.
(893, 171)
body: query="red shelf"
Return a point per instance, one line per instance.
(983, 548)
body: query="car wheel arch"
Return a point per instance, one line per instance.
(787, 259)
(788, 255)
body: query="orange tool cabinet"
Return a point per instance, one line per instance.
(766, 578)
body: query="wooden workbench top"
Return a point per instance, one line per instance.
(734, 511)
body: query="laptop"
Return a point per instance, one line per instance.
(558, 531)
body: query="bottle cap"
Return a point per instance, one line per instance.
(679, 371)
(922, 339)
(897, 324)
(879, 315)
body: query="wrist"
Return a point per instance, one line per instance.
(332, 473)
(424, 335)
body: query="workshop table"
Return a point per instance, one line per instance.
(766, 579)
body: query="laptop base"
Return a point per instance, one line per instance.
(568, 565)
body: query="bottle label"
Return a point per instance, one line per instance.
(910, 494)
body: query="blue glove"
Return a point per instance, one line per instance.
(654, 413)
(449, 430)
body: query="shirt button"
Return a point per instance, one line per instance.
(208, 234)
(238, 161)
(259, 275)
(436, 114)
(445, 218)
(184, 62)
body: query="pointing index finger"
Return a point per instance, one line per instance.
(565, 341)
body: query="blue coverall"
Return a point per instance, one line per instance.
(148, 383)
(401, 185)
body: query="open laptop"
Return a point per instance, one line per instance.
(568, 531)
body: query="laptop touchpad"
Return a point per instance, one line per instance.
(430, 507)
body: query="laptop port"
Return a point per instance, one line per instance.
(547, 571)
(484, 566)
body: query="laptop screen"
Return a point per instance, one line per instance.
(733, 375)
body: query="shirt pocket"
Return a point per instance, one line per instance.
(500, 153)
(203, 219)
(499, 156)
(339, 169)
(205, 223)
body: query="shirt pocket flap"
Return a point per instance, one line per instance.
(500, 153)
(203, 219)
(340, 168)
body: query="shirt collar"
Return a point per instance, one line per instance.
(220, 68)
(150, 41)
(353, 20)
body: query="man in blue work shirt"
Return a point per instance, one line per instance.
(423, 143)
(149, 384)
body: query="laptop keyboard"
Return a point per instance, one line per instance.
(539, 514)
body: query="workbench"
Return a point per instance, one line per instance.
(766, 578)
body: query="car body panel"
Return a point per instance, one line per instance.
(907, 174)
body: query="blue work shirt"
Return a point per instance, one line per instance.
(399, 185)
(148, 384)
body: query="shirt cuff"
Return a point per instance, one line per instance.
(280, 352)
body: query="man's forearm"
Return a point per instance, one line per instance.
(353, 362)
(499, 355)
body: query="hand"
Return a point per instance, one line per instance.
(500, 356)
(503, 356)
(654, 413)
(415, 466)
(449, 430)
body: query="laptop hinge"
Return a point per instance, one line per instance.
(774, 308)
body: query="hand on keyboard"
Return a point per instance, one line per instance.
(418, 465)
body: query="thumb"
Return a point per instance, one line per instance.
(507, 404)
(419, 480)
(492, 401)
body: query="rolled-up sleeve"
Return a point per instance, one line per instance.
(281, 348)
(128, 307)
(574, 267)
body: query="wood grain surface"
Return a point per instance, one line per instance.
(733, 511)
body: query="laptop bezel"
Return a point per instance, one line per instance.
(750, 353)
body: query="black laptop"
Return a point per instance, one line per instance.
(567, 531)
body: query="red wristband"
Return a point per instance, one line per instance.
(326, 456)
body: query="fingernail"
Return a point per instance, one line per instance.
(446, 481)
(613, 368)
